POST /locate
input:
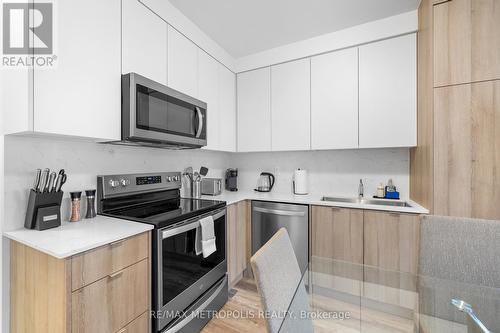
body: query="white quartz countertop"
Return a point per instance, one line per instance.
(311, 199)
(76, 237)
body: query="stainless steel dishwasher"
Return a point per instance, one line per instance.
(269, 217)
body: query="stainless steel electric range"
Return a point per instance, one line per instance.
(186, 287)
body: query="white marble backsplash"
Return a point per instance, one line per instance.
(330, 172)
(83, 161)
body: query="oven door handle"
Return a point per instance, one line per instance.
(186, 227)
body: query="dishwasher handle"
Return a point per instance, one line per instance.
(278, 212)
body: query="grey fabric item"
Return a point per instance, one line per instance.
(461, 249)
(277, 275)
(460, 258)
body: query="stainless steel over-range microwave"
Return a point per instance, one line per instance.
(156, 115)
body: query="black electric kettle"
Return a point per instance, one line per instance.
(265, 183)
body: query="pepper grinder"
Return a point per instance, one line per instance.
(75, 206)
(91, 213)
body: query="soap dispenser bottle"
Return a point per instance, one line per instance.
(380, 191)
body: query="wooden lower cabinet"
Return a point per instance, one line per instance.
(238, 240)
(391, 241)
(112, 302)
(139, 325)
(105, 290)
(93, 265)
(337, 233)
(385, 240)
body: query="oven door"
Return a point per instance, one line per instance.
(156, 113)
(183, 276)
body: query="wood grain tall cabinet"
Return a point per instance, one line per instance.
(455, 170)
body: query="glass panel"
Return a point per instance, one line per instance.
(182, 266)
(344, 297)
(162, 113)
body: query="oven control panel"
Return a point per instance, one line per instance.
(113, 185)
(147, 180)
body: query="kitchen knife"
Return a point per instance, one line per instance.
(37, 179)
(61, 179)
(57, 184)
(43, 180)
(50, 185)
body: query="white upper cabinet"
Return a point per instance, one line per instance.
(208, 89)
(254, 113)
(334, 100)
(227, 107)
(291, 105)
(16, 102)
(81, 96)
(387, 93)
(182, 63)
(144, 42)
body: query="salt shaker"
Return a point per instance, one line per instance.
(75, 206)
(91, 213)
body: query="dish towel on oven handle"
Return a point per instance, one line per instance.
(207, 236)
(197, 242)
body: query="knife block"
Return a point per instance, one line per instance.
(44, 210)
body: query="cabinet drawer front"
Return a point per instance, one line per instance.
(110, 303)
(139, 325)
(93, 265)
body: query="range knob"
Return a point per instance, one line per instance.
(169, 178)
(177, 178)
(114, 183)
(124, 182)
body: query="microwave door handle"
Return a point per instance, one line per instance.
(200, 122)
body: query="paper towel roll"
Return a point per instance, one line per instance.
(300, 183)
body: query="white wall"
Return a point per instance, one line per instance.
(334, 172)
(330, 172)
(4, 305)
(3, 260)
(2, 111)
(189, 29)
(361, 34)
(83, 161)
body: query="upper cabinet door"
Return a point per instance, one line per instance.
(334, 100)
(254, 113)
(291, 105)
(81, 95)
(208, 92)
(182, 63)
(227, 107)
(387, 93)
(466, 41)
(144, 42)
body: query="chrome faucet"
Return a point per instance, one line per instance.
(467, 308)
(361, 189)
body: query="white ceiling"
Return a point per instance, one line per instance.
(244, 27)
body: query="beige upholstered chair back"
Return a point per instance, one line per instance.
(277, 275)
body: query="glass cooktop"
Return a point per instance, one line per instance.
(165, 212)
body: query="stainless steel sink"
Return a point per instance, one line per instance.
(380, 202)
